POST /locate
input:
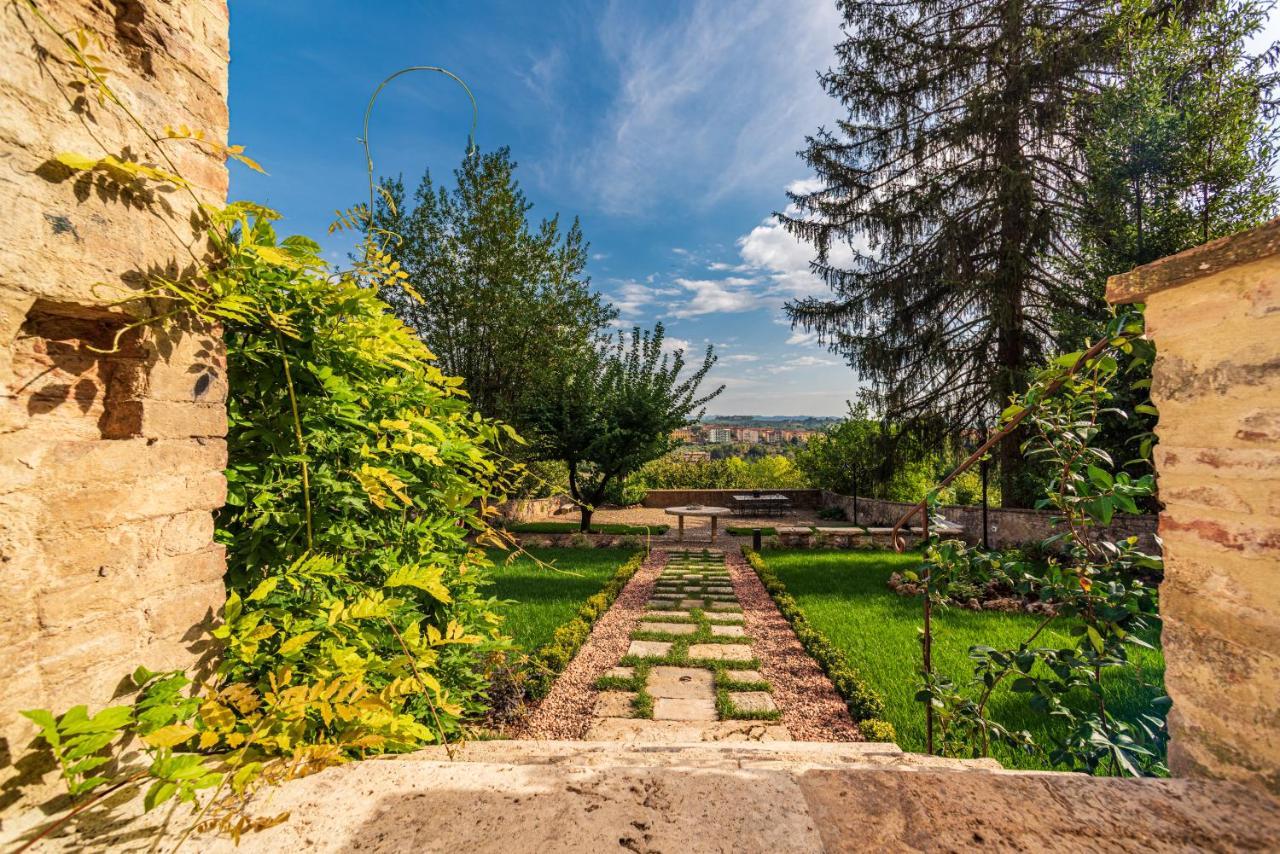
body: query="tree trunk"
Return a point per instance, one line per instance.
(584, 521)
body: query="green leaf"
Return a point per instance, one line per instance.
(160, 791)
(427, 578)
(296, 643)
(1095, 639)
(1100, 477)
(263, 590)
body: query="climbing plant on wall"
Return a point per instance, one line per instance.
(359, 482)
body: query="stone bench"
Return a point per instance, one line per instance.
(795, 536)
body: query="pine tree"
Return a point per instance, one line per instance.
(503, 304)
(956, 161)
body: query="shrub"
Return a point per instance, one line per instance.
(550, 659)
(864, 702)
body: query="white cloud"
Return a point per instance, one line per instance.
(715, 295)
(740, 357)
(802, 339)
(706, 103)
(802, 362)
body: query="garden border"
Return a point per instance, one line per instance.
(550, 659)
(864, 703)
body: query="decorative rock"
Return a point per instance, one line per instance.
(752, 701)
(677, 683)
(614, 704)
(728, 631)
(718, 651)
(649, 649)
(687, 709)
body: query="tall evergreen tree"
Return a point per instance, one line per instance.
(1179, 149)
(502, 303)
(955, 161)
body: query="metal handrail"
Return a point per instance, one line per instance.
(922, 506)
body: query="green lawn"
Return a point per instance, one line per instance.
(572, 528)
(543, 599)
(844, 595)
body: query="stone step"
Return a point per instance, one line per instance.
(699, 754)
(551, 798)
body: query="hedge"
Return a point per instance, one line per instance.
(551, 658)
(866, 706)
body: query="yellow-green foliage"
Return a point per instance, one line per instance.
(359, 482)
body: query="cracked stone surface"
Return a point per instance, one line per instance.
(614, 704)
(721, 651)
(684, 709)
(752, 701)
(649, 649)
(680, 683)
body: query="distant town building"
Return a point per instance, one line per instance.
(684, 434)
(751, 437)
(693, 456)
(719, 435)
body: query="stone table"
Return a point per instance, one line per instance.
(713, 513)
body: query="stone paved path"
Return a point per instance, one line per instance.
(690, 672)
(693, 650)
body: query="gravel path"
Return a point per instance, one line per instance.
(565, 713)
(811, 708)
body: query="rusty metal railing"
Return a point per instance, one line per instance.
(922, 506)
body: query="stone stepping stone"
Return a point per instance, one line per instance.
(728, 632)
(728, 590)
(689, 603)
(649, 649)
(621, 672)
(680, 683)
(742, 675)
(718, 651)
(674, 628)
(752, 701)
(663, 605)
(723, 619)
(725, 606)
(665, 615)
(690, 709)
(692, 589)
(615, 704)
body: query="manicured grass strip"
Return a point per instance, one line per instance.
(741, 531)
(866, 706)
(554, 655)
(572, 528)
(538, 600)
(845, 597)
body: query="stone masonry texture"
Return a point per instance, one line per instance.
(110, 463)
(1217, 386)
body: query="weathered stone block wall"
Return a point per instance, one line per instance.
(110, 463)
(1006, 526)
(1214, 314)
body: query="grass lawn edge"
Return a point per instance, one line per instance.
(865, 704)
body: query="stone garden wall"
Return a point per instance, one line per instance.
(110, 463)
(1214, 314)
(1005, 526)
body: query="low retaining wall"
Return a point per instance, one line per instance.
(1005, 526)
(804, 499)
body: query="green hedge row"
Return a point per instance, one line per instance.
(551, 658)
(572, 528)
(866, 706)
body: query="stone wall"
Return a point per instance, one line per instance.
(110, 463)
(1214, 315)
(804, 499)
(1005, 526)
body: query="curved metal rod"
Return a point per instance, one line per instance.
(368, 111)
(921, 507)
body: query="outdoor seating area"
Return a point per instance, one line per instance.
(757, 504)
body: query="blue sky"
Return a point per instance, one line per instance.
(668, 126)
